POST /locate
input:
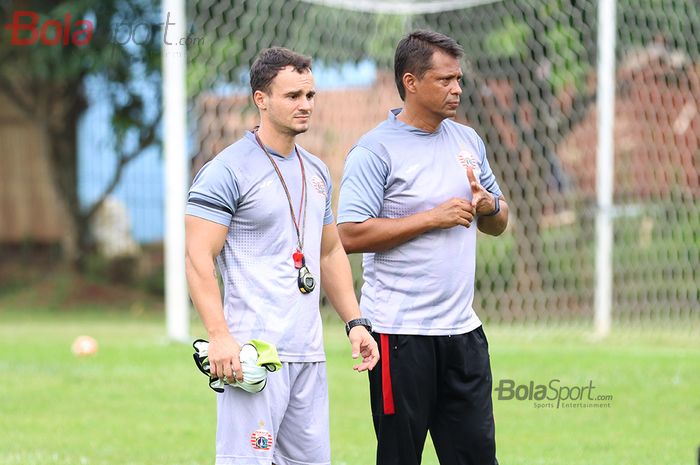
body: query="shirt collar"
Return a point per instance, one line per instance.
(250, 135)
(397, 123)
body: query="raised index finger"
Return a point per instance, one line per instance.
(471, 177)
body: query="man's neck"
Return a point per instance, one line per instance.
(282, 144)
(418, 120)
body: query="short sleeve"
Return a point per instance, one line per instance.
(214, 193)
(487, 178)
(362, 187)
(328, 216)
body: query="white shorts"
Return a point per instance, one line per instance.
(285, 424)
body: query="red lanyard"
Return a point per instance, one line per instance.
(299, 227)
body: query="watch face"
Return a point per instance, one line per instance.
(306, 281)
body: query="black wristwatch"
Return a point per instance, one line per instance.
(358, 322)
(497, 209)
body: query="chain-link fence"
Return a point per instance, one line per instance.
(530, 92)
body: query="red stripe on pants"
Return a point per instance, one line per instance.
(387, 392)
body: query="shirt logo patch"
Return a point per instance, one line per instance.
(319, 185)
(468, 160)
(261, 439)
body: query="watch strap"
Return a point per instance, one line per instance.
(496, 210)
(358, 322)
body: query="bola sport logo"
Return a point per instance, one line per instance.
(261, 440)
(28, 28)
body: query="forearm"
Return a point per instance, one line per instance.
(380, 234)
(206, 295)
(494, 225)
(336, 279)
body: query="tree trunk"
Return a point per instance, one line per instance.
(62, 137)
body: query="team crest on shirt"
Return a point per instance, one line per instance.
(468, 160)
(261, 439)
(319, 185)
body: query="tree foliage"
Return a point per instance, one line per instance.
(48, 84)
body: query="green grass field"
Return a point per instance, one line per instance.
(140, 400)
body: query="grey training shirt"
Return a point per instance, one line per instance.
(240, 189)
(426, 285)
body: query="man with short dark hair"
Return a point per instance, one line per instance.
(414, 191)
(262, 209)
